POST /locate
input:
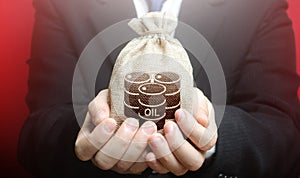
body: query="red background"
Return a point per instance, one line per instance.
(16, 21)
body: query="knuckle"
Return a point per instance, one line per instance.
(81, 156)
(195, 166)
(122, 166)
(198, 91)
(211, 143)
(103, 92)
(135, 170)
(98, 111)
(180, 172)
(77, 145)
(164, 159)
(91, 106)
(104, 165)
(206, 147)
(95, 106)
(79, 152)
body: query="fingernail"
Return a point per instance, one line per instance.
(181, 115)
(109, 126)
(204, 118)
(156, 141)
(131, 124)
(149, 128)
(169, 127)
(150, 157)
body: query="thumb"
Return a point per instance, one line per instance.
(99, 108)
(200, 108)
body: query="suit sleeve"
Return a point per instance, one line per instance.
(258, 135)
(46, 143)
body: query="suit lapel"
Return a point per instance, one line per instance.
(206, 16)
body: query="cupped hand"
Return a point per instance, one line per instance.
(185, 143)
(110, 148)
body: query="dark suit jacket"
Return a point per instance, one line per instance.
(258, 136)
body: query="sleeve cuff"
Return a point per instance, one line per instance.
(210, 152)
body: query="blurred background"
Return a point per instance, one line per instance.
(16, 23)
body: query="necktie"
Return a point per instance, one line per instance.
(156, 5)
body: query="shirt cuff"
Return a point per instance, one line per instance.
(210, 152)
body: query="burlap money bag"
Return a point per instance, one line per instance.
(152, 76)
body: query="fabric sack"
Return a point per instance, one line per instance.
(152, 76)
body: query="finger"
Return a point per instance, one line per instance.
(115, 169)
(201, 117)
(189, 126)
(212, 129)
(211, 143)
(137, 145)
(114, 149)
(155, 165)
(187, 155)
(87, 144)
(193, 130)
(210, 134)
(200, 107)
(138, 168)
(208, 115)
(88, 125)
(200, 100)
(162, 152)
(99, 108)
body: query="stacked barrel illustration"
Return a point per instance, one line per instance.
(151, 96)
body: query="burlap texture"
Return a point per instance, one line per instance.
(153, 52)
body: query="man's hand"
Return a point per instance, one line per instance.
(174, 153)
(123, 150)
